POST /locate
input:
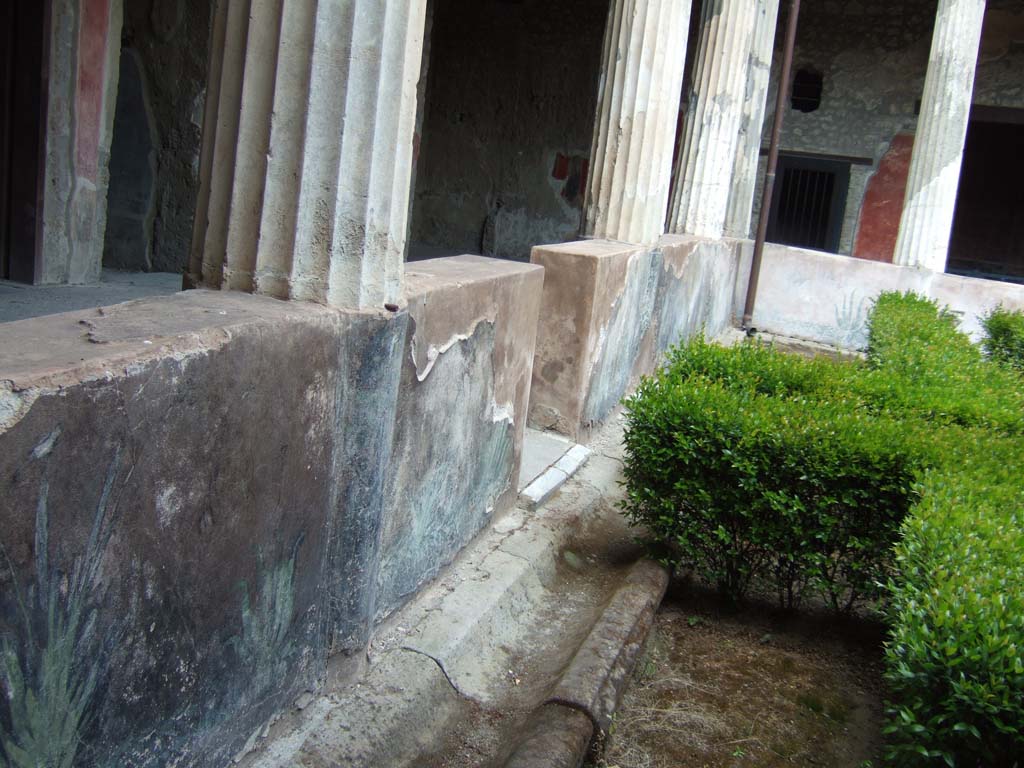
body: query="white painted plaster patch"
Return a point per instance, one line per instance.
(504, 412)
(14, 405)
(149, 580)
(602, 340)
(43, 449)
(168, 505)
(434, 351)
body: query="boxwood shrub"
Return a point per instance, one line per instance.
(955, 656)
(894, 477)
(801, 494)
(1004, 337)
(921, 366)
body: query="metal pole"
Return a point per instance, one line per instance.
(773, 163)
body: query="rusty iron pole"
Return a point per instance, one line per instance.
(773, 163)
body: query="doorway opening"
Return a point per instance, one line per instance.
(22, 121)
(507, 122)
(131, 195)
(809, 202)
(988, 227)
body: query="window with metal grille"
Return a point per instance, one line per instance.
(809, 202)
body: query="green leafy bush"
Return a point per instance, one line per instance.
(1004, 337)
(817, 476)
(922, 366)
(747, 478)
(955, 657)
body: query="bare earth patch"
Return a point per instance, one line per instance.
(722, 687)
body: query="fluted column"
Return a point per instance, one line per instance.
(371, 216)
(748, 151)
(637, 111)
(210, 117)
(309, 199)
(274, 253)
(930, 203)
(253, 147)
(700, 194)
(224, 96)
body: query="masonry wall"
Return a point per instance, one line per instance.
(610, 311)
(508, 123)
(204, 496)
(873, 55)
(827, 298)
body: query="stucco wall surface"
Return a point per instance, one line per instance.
(826, 298)
(84, 45)
(203, 496)
(461, 413)
(610, 310)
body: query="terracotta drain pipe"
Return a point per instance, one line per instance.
(773, 163)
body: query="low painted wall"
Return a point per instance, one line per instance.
(462, 402)
(204, 496)
(826, 298)
(610, 310)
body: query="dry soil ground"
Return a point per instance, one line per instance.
(721, 687)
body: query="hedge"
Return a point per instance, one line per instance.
(1004, 337)
(894, 477)
(956, 609)
(922, 366)
(748, 479)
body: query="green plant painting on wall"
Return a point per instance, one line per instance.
(51, 668)
(265, 646)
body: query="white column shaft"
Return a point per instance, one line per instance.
(318, 193)
(253, 144)
(930, 203)
(312, 201)
(700, 197)
(638, 106)
(371, 217)
(748, 153)
(279, 214)
(225, 141)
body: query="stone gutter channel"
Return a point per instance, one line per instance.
(516, 656)
(585, 699)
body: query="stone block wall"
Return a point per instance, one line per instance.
(610, 310)
(204, 496)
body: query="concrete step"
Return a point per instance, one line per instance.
(548, 461)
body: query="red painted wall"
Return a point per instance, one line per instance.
(883, 203)
(92, 54)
